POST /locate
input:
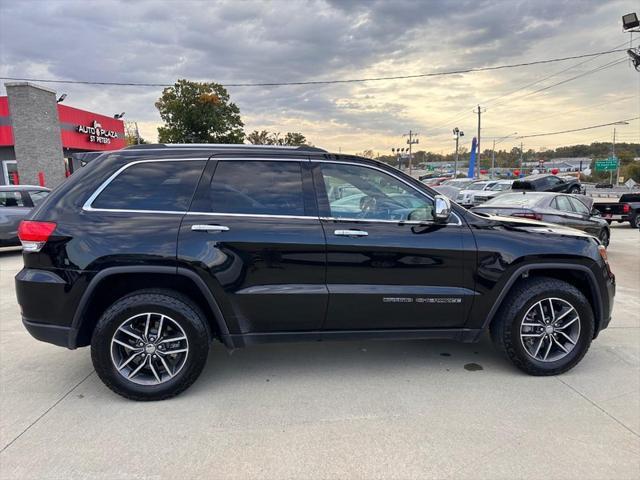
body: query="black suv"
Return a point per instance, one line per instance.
(543, 182)
(149, 253)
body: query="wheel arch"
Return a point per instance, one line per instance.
(580, 276)
(119, 281)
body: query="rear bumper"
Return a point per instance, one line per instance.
(45, 332)
(48, 300)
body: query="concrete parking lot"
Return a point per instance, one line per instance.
(417, 409)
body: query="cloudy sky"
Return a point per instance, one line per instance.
(284, 41)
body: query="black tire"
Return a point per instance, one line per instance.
(604, 237)
(634, 221)
(166, 302)
(505, 328)
(574, 190)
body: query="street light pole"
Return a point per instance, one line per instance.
(411, 141)
(457, 133)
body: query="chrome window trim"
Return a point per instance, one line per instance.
(410, 222)
(87, 207)
(256, 215)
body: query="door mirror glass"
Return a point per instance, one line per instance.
(442, 208)
(595, 213)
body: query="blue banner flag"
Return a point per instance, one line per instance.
(472, 158)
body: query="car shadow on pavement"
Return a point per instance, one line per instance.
(297, 361)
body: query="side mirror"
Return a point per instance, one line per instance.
(595, 212)
(442, 209)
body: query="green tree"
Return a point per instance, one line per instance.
(195, 112)
(264, 137)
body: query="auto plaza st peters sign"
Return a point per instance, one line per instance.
(97, 134)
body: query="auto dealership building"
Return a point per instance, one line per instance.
(38, 135)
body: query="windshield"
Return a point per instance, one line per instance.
(501, 187)
(516, 200)
(458, 183)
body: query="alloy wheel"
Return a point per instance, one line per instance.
(149, 348)
(550, 329)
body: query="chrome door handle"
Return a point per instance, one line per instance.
(350, 233)
(209, 228)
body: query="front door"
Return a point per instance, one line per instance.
(254, 236)
(389, 266)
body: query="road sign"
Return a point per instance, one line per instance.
(607, 164)
(630, 184)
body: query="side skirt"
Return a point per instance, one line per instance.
(465, 335)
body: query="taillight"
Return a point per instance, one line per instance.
(531, 215)
(33, 235)
(625, 208)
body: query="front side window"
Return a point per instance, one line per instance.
(257, 188)
(11, 199)
(563, 203)
(356, 192)
(154, 186)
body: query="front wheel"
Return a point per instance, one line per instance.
(150, 345)
(635, 220)
(545, 326)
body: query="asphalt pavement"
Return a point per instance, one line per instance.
(378, 409)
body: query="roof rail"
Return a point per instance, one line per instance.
(239, 146)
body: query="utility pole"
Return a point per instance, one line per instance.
(613, 154)
(412, 140)
(521, 157)
(479, 112)
(493, 158)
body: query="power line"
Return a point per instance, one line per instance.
(578, 129)
(468, 112)
(548, 76)
(326, 82)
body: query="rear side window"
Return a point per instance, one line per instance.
(11, 199)
(257, 187)
(155, 186)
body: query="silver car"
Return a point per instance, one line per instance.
(16, 202)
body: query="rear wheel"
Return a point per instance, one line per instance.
(574, 190)
(545, 326)
(635, 220)
(150, 345)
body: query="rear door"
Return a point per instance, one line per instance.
(389, 266)
(254, 236)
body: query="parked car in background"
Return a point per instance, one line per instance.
(465, 196)
(498, 188)
(447, 190)
(16, 202)
(558, 208)
(459, 183)
(434, 181)
(626, 209)
(544, 182)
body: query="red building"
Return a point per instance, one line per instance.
(29, 136)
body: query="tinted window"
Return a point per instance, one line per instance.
(11, 199)
(257, 187)
(38, 196)
(360, 192)
(155, 186)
